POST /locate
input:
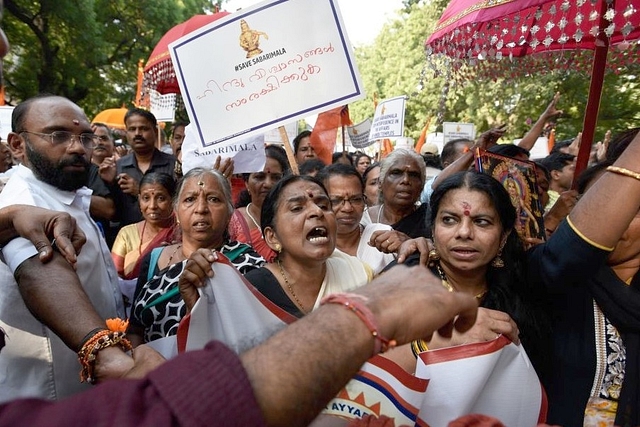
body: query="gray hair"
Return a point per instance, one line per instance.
(394, 156)
(199, 172)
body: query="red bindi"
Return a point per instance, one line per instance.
(466, 208)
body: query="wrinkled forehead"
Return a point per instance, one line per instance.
(302, 189)
(205, 182)
(56, 113)
(406, 163)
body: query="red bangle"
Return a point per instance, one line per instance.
(355, 303)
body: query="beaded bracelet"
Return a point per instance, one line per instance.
(355, 303)
(624, 171)
(98, 340)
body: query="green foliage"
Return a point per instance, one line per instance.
(86, 50)
(395, 64)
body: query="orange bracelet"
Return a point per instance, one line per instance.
(355, 303)
(98, 340)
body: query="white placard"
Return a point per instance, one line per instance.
(455, 130)
(388, 121)
(248, 154)
(264, 66)
(5, 121)
(359, 134)
(273, 136)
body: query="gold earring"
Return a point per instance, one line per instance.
(498, 262)
(278, 248)
(434, 257)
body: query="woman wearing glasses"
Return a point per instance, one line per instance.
(346, 191)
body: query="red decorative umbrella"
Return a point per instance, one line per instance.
(546, 34)
(158, 73)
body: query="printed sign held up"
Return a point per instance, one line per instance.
(455, 130)
(388, 121)
(262, 67)
(359, 134)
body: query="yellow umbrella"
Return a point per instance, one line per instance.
(112, 117)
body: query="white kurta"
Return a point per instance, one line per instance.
(35, 362)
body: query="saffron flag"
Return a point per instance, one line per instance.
(324, 134)
(423, 136)
(385, 148)
(141, 100)
(493, 378)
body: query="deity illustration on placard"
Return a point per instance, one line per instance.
(250, 39)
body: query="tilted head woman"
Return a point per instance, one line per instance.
(476, 251)
(203, 209)
(245, 222)
(299, 224)
(135, 241)
(346, 191)
(402, 176)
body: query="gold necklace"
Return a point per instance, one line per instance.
(446, 284)
(251, 216)
(174, 252)
(293, 294)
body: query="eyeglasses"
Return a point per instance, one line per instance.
(61, 137)
(356, 201)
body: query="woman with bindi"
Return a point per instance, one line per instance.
(298, 223)
(202, 206)
(245, 221)
(158, 228)
(476, 250)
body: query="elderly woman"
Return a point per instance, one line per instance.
(245, 222)
(402, 176)
(135, 241)
(299, 224)
(346, 191)
(203, 208)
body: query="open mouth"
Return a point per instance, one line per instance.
(318, 235)
(200, 225)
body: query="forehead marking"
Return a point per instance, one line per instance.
(466, 208)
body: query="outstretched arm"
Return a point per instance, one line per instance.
(485, 141)
(529, 140)
(293, 375)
